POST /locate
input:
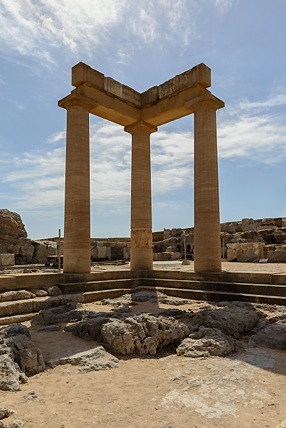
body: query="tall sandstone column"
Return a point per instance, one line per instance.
(141, 255)
(77, 191)
(206, 188)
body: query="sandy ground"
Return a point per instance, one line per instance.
(246, 390)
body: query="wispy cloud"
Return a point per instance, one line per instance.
(275, 100)
(40, 29)
(259, 139)
(38, 177)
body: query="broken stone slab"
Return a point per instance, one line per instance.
(8, 296)
(89, 329)
(91, 360)
(60, 313)
(10, 375)
(26, 355)
(231, 318)
(142, 334)
(206, 342)
(21, 349)
(272, 336)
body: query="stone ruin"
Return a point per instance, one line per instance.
(16, 247)
(204, 330)
(247, 240)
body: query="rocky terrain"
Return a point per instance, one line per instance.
(138, 327)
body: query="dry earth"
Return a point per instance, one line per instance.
(245, 390)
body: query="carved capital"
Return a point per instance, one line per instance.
(76, 100)
(140, 127)
(204, 101)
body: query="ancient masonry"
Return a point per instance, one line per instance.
(140, 115)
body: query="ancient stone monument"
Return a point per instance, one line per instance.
(140, 115)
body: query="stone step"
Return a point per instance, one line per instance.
(195, 294)
(97, 285)
(94, 296)
(24, 310)
(18, 307)
(219, 286)
(17, 318)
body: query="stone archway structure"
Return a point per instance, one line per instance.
(140, 114)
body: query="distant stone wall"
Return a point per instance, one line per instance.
(247, 240)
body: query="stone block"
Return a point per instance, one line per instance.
(246, 252)
(150, 96)
(162, 257)
(82, 73)
(278, 256)
(7, 259)
(248, 225)
(102, 252)
(229, 227)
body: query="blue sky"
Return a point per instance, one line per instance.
(142, 43)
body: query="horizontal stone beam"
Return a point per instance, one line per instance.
(118, 103)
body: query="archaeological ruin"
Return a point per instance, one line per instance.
(141, 114)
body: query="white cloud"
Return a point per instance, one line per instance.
(40, 29)
(37, 178)
(273, 101)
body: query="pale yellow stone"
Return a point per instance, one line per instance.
(140, 114)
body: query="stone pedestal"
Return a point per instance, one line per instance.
(206, 205)
(77, 191)
(141, 253)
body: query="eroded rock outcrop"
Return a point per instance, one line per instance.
(11, 225)
(19, 357)
(142, 334)
(206, 342)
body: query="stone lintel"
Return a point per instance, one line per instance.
(198, 75)
(124, 92)
(172, 107)
(109, 106)
(118, 103)
(208, 97)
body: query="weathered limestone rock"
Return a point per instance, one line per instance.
(273, 336)
(206, 342)
(8, 296)
(10, 374)
(246, 252)
(142, 334)
(89, 329)
(277, 254)
(93, 360)
(43, 249)
(26, 355)
(61, 313)
(11, 225)
(7, 259)
(232, 319)
(5, 412)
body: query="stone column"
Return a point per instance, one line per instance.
(77, 191)
(141, 255)
(206, 189)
